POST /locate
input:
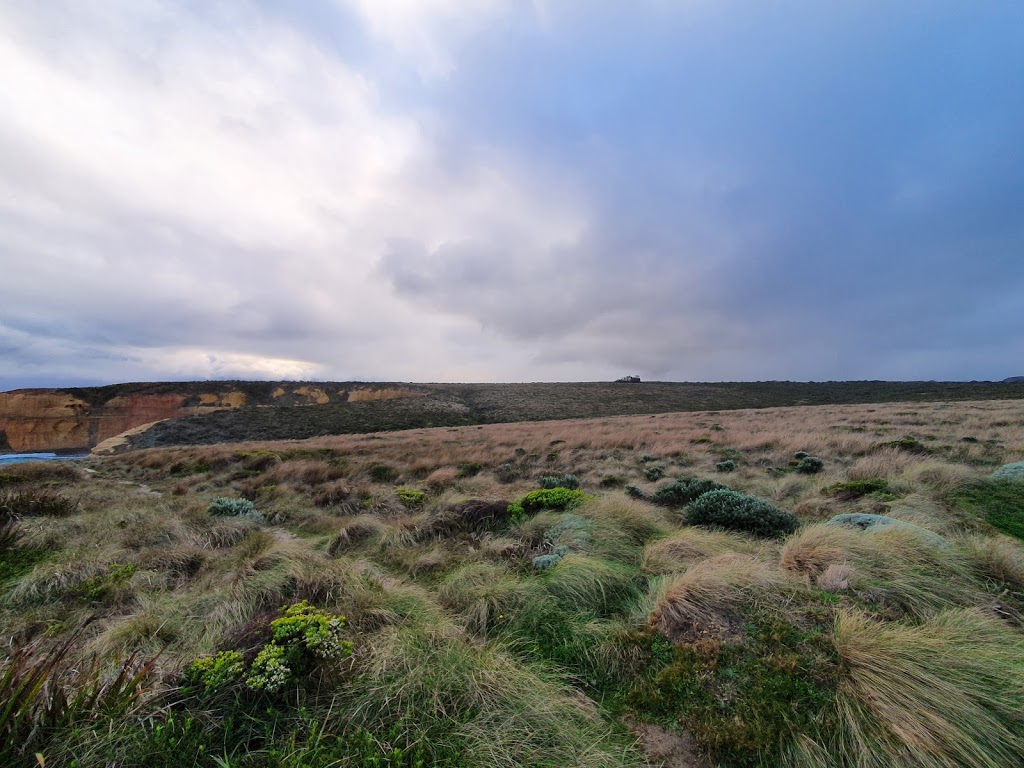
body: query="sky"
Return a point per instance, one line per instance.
(489, 190)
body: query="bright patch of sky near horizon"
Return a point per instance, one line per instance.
(490, 190)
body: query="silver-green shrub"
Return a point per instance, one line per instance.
(738, 512)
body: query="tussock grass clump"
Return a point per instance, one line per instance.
(456, 697)
(736, 511)
(684, 548)
(42, 691)
(908, 444)
(582, 583)
(36, 502)
(51, 581)
(41, 472)
(895, 569)
(333, 494)
(637, 520)
(362, 528)
(305, 472)
(442, 478)
(485, 595)
(382, 473)
(10, 532)
(946, 692)
(704, 603)
(999, 559)
(475, 515)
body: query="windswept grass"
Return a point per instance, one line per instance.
(486, 633)
(947, 692)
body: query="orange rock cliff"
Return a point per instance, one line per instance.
(79, 419)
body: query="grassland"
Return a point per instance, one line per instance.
(470, 404)
(590, 629)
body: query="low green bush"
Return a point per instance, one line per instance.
(738, 512)
(801, 455)
(301, 637)
(854, 489)
(681, 492)
(211, 673)
(228, 507)
(559, 481)
(810, 465)
(654, 473)
(908, 444)
(98, 588)
(383, 473)
(552, 498)
(726, 466)
(633, 492)
(411, 497)
(507, 473)
(1013, 471)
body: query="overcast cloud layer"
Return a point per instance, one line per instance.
(473, 190)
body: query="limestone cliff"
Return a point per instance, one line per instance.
(77, 419)
(41, 420)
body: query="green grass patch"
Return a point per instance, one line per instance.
(747, 701)
(15, 563)
(854, 489)
(1000, 503)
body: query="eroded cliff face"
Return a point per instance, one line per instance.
(43, 421)
(58, 420)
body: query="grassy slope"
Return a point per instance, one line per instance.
(462, 404)
(830, 647)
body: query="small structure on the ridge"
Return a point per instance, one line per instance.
(628, 380)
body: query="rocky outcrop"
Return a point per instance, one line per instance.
(385, 393)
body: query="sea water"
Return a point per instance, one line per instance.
(14, 458)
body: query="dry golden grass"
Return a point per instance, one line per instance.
(704, 602)
(423, 600)
(684, 548)
(947, 692)
(999, 558)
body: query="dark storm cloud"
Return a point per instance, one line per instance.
(806, 189)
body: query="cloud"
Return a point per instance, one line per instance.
(229, 192)
(496, 190)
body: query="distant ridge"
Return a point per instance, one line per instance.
(191, 413)
(1014, 380)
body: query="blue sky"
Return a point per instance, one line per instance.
(477, 190)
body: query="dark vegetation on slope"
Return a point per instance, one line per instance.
(451, 405)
